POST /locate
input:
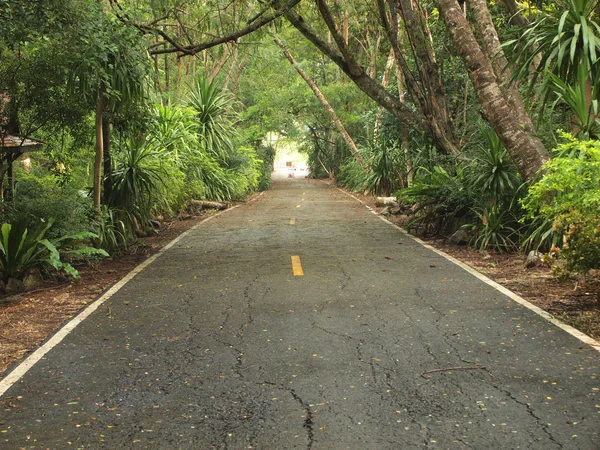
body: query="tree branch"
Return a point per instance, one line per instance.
(190, 50)
(357, 74)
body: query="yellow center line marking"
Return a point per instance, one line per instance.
(293, 221)
(297, 266)
(298, 206)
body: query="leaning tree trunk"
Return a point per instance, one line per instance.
(334, 118)
(490, 45)
(99, 152)
(526, 150)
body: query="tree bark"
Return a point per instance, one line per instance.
(527, 151)
(107, 159)
(99, 152)
(334, 118)
(490, 44)
(516, 16)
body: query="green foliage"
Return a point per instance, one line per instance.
(565, 39)
(575, 95)
(112, 232)
(110, 56)
(22, 248)
(214, 126)
(266, 154)
(136, 179)
(42, 197)
(384, 175)
(492, 172)
(352, 176)
(540, 234)
(441, 200)
(569, 195)
(495, 229)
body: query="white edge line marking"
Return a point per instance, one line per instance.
(517, 298)
(18, 372)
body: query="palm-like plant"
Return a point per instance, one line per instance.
(493, 173)
(137, 179)
(562, 42)
(577, 96)
(384, 177)
(496, 230)
(174, 131)
(214, 119)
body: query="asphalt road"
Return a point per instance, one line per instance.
(218, 345)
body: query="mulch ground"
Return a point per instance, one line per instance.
(27, 319)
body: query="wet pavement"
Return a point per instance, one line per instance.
(217, 344)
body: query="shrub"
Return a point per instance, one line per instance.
(569, 195)
(266, 153)
(352, 176)
(384, 176)
(492, 173)
(441, 200)
(136, 180)
(23, 247)
(112, 232)
(42, 198)
(497, 229)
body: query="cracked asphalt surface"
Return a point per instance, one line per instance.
(216, 345)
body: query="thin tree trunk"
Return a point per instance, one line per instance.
(99, 152)
(334, 118)
(10, 189)
(526, 150)
(410, 173)
(217, 68)
(240, 69)
(107, 159)
(157, 73)
(167, 74)
(232, 67)
(385, 82)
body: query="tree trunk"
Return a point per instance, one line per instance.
(99, 152)
(410, 172)
(220, 63)
(516, 16)
(232, 66)
(107, 159)
(334, 118)
(527, 151)
(385, 82)
(490, 45)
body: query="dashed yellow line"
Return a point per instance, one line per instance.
(293, 221)
(298, 206)
(297, 266)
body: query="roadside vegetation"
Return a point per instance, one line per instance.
(482, 124)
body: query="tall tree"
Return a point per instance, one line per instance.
(525, 149)
(330, 111)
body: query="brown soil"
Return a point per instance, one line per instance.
(27, 319)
